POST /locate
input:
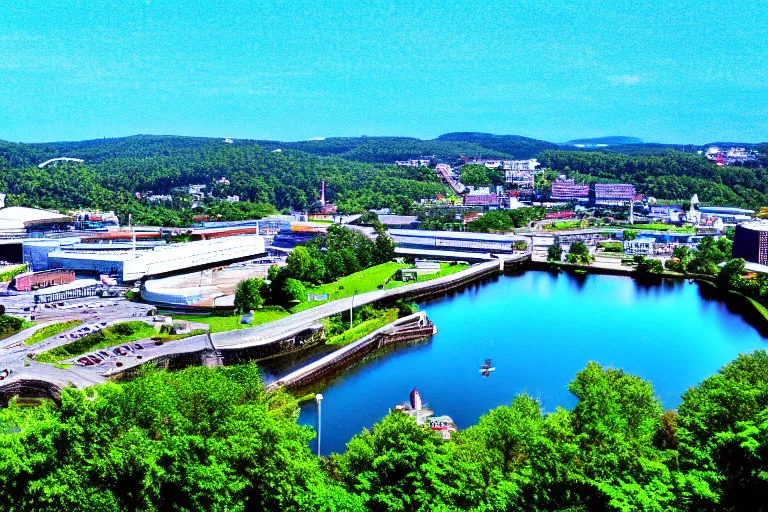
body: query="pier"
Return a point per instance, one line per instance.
(409, 328)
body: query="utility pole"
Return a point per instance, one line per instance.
(318, 401)
(351, 307)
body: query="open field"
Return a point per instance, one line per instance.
(230, 323)
(446, 269)
(660, 227)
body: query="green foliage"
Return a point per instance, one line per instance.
(579, 254)
(670, 175)
(648, 266)
(10, 274)
(505, 220)
(481, 176)
(554, 252)
(611, 246)
(248, 295)
(629, 234)
(199, 439)
(10, 325)
(51, 330)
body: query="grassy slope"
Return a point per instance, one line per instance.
(230, 323)
(360, 282)
(363, 329)
(51, 330)
(446, 269)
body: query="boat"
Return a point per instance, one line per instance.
(486, 368)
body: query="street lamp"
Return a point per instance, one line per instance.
(318, 401)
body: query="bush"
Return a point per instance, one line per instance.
(10, 325)
(124, 329)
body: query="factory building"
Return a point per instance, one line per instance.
(751, 242)
(411, 241)
(567, 190)
(614, 194)
(161, 260)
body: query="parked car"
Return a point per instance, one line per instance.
(95, 359)
(84, 361)
(4, 373)
(138, 346)
(104, 353)
(128, 348)
(120, 351)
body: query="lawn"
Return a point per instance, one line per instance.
(108, 337)
(10, 273)
(363, 329)
(230, 323)
(51, 330)
(354, 284)
(660, 227)
(446, 269)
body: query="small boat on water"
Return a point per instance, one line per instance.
(486, 368)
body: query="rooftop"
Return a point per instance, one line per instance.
(456, 235)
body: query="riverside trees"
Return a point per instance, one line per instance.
(213, 439)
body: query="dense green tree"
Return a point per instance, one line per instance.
(723, 427)
(579, 254)
(649, 266)
(249, 294)
(397, 466)
(554, 252)
(198, 439)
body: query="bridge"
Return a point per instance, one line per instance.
(61, 159)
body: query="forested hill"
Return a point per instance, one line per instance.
(362, 149)
(263, 179)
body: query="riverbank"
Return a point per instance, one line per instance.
(753, 311)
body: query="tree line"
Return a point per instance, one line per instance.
(287, 180)
(671, 175)
(213, 439)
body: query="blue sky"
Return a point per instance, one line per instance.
(680, 71)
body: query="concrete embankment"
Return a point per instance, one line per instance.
(412, 327)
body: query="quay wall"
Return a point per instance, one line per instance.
(412, 327)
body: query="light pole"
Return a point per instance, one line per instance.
(351, 307)
(318, 401)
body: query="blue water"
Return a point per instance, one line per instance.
(540, 329)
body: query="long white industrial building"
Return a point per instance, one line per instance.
(129, 266)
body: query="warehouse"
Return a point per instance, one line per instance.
(162, 260)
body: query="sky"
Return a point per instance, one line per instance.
(687, 71)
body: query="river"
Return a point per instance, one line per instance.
(540, 329)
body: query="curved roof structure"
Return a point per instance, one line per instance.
(62, 159)
(20, 217)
